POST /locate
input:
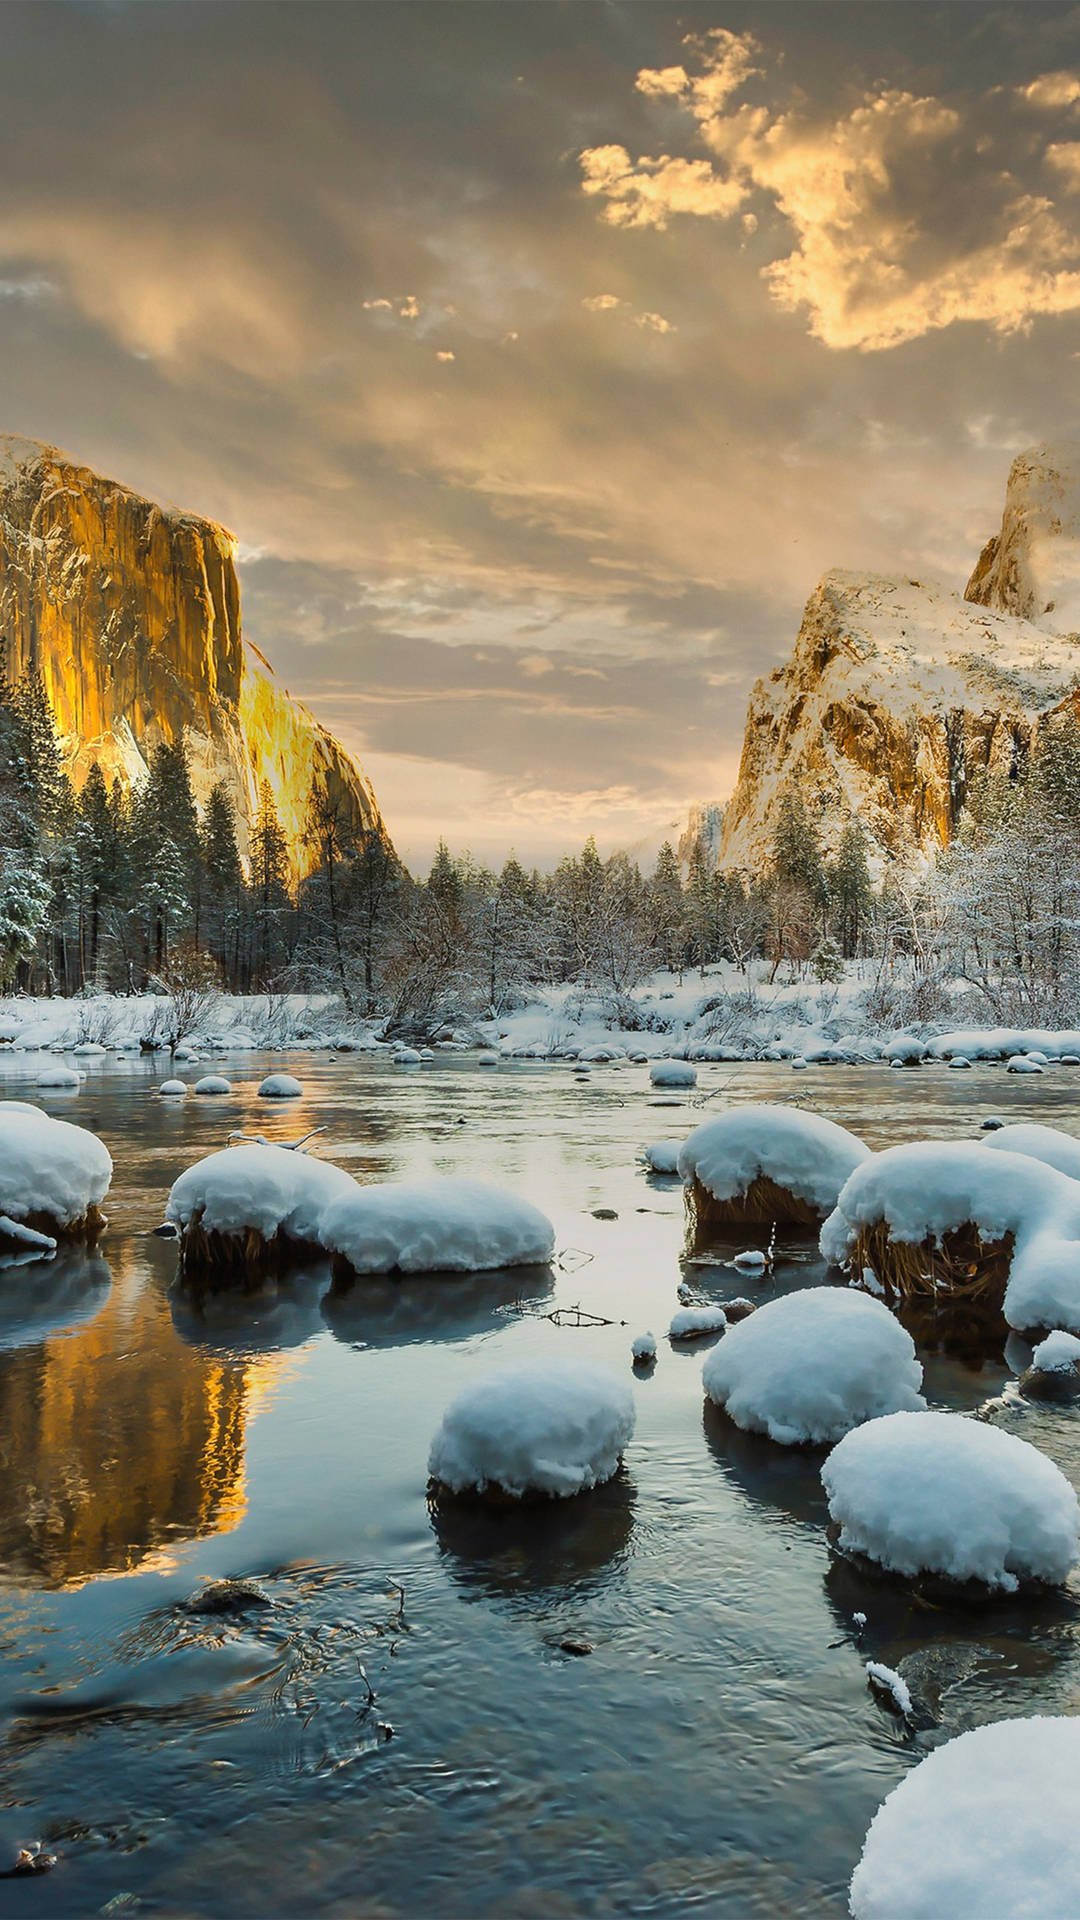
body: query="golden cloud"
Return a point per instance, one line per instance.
(874, 263)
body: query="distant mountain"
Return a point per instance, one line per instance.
(131, 613)
(897, 690)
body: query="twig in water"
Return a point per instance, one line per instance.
(572, 1258)
(578, 1317)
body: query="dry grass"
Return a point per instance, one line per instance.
(959, 1270)
(239, 1259)
(764, 1204)
(86, 1228)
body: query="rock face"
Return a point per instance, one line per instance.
(1032, 567)
(131, 614)
(897, 690)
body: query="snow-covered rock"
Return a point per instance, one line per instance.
(89, 1050)
(928, 1189)
(673, 1073)
(663, 1156)
(53, 1176)
(212, 1083)
(891, 1686)
(173, 1089)
(935, 1493)
(1048, 1144)
(802, 1154)
(435, 1226)
(904, 1050)
(1023, 1063)
(263, 1202)
(1058, 1353)
(808, 1367)
(406, 1057)
(643, 1347)
(693, 1323)
(986, 1827)
(57, 1077)
(280, 1086)
(751, 1260)
(554, 1427)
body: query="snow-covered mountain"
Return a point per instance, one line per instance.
(897, 689)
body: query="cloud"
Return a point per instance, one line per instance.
(444, 354)
(601, 302)
(885, 248)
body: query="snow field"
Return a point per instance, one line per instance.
(551, 1427)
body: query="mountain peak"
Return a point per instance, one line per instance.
(1031, 568)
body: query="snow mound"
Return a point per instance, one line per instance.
(806, 1155)
(904, 1050)
(937, 1493)
(49, 1169)
(59, 1077)
(406, 1057)
(930, 1188)
(552, 1427)
(265, 1190)
(692, 1323)
(213, 1083)
(280, 1086)
(663, 1156)
(435, 1226)
(987, 1827)
(751, 1260)
(1058, 1353)
(175, 1089)
(810, 1366)
(643, 1346)
(1048, 1144)
(673, 1073)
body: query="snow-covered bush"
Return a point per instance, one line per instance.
(812, 1365)
(935, 1493)
(755, 1165)
(53, 1176)
(434, 1226)
(554, 1427)
(987, 1827)
(251, 1209)
(951, 1222)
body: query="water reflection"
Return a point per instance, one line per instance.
(520, 1550)
(42, 1297)
(286, 1313)
(785, 1479)
(114, 1440)
(391, 1312)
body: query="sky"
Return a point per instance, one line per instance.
(542, 354)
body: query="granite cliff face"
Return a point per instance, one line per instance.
(131, 613)
(897, 690)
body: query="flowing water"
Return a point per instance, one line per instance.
(648, 1701)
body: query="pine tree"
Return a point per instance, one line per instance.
(221, 876)
(850, 887)
(667, 908)
(269, 889)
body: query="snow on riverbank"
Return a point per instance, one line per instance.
(722, 1015)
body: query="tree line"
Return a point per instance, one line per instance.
(114, 889)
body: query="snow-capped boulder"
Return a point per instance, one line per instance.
(173, 1089)
(764, 1163)
(406, 1057)
(89, 1050)
(434, 1226)
(212, 1083)
(280, 1086)
(53, 1176)
(810, 1366)
(672, 1073)
(986, 1827)
(1048, 1144)
(952, 1221)
(59, 1077)
(694, 1323)
(958, 1499)
(252, 1208)
(643, 1348)
(1023, 1063)
(663, 1156)
(903, 1050)
(555, 1428)
(1054, 1373)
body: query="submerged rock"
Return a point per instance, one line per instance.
(229, 1596)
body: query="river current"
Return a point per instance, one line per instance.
(648, 1701)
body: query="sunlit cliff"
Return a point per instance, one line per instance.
(131, 613)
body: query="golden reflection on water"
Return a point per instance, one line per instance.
(116, 1440)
